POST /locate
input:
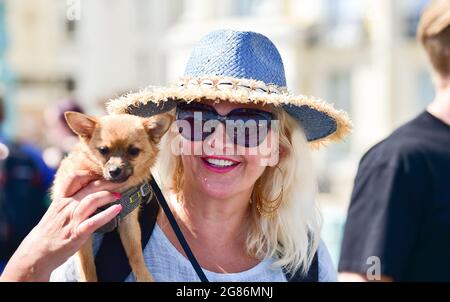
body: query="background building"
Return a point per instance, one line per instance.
(361, 55)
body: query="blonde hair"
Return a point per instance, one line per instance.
(438, 50)
(433, 31)
(291, 235)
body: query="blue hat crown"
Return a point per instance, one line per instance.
(237, 54)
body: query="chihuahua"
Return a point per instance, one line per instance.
(120, 148)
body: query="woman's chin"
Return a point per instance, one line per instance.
(217, 191)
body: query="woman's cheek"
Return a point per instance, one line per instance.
(189, 148)
(261, 157)
(269, 149)
(253, 166)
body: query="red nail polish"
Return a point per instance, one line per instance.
(116, 195)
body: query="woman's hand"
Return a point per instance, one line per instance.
(64, 228)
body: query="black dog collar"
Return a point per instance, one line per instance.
(130, 201)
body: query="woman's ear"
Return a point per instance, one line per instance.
(157, 125)
(81, 124)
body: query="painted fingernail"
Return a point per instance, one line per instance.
(116, 195)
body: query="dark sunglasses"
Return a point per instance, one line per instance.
(247, 127)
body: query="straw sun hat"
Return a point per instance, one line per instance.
(239, 67)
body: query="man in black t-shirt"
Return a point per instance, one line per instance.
(398, 223)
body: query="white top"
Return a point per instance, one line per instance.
(166, 263)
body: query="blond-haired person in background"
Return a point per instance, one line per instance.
(400, 207)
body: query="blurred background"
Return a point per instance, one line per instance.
(361, 55)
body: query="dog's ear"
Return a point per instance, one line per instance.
(81, 124)
(157, 125)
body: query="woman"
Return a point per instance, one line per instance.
(246, 213)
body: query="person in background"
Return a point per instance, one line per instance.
(24, 183)
(398, 225)
(58, 134)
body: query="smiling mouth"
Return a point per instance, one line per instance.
(220, 163)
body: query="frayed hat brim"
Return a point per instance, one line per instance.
(321, 122)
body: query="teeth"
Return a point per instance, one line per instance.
(220, 162)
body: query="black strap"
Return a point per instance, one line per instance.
(111, 260)
(177, 230)
(112, 263)
(311, 276)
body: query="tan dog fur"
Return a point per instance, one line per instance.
(120, 134)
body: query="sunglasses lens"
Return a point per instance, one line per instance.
(186, 128)
(248, 134)
(191, 123)
(250, 126)
(246, 127)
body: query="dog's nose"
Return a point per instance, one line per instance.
(115, 171)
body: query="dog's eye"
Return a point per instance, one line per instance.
(103, 150)
(133, 151)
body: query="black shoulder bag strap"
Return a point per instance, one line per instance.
(178, 233)
(111, 261)
(311, 276)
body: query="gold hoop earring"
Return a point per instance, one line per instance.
(269, 208)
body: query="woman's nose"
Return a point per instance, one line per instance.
(219, 141)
